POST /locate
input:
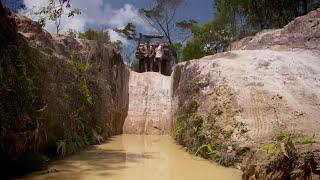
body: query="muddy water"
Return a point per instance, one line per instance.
(136, 157)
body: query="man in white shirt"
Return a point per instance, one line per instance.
(159, 54)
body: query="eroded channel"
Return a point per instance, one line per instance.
(136, 157)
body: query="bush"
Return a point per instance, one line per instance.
(100, 36)
(289, 156)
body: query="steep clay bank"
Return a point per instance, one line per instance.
(256, 109)
(108, 62)
(258, 106)
(269, 91)
(58, 94)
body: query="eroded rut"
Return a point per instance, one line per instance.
(136, 157)
(149, 104)
(149, 154)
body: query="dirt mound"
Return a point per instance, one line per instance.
(303, 33)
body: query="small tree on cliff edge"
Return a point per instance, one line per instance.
(162, 16)
(54, 12)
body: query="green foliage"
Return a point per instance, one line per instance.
(314, 5)
(227, 133)
(283, 136)
(199, 132)
(177, 48)
(306, 140)
(82, 101)
(217, 110)
(162, 16)
(54, 11)
(208, 147)
(99, 36)
(61, 148)
(129, 31)
(235, 19)
(186, 25)
(23, 82)
(267, 148)
(284, 142)
(22, 76)
(208, 39)
(193, 50)
(247, 16)
(118, 45)
(71, 33)
(283, 159)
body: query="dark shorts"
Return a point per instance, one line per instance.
(158, 59)
(144, 60)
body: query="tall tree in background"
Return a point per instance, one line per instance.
(55, 10)
(129, 31)
(207, 39)
(228, 13)
(162, 16)
(235, 19)
(245, 17)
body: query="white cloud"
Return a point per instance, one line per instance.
(97, 13)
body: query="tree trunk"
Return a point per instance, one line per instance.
(305, 7)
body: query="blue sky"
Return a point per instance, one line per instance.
(199, 10)
(110, 14)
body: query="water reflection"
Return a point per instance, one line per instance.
(130, 157)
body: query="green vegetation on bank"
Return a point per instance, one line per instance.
(198, 128)
(24, 80)
(290, 155)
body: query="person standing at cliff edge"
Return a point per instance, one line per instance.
(159, 54)
(147, 53)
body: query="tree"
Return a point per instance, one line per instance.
(99, 36)
(55, 10)
(208, 39)
(162, 16)
(185, 28)
(118, 45)
(238, 18)
(127, 51)
(129, 31)
(245, 17)
(71, 33)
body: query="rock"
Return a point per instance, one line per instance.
(149, 104)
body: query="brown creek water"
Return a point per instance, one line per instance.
(136, 157)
